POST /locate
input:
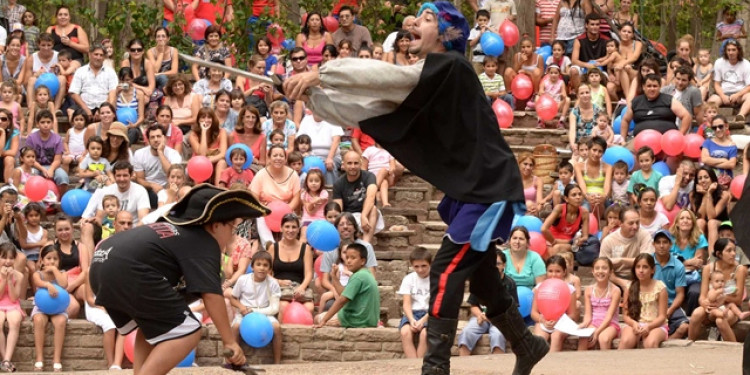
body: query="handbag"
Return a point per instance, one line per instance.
(588, 252)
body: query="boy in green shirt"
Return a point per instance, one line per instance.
(358, 304)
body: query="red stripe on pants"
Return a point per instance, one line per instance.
(444, 278)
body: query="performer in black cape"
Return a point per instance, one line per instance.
(434, 118)
(146, 277)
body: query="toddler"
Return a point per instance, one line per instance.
(382, 164)
(554, 85)
(704, 72)
(110, 204)
(565, 176)
(620, 184)
(277, 137)
(599, 94)
(303, 144)
(612, 216)
(93, 168)
(41, 101)
(612, 59)
(710, 111)
(717, 294)
(236, 173)
(603, 129)
(73, 145)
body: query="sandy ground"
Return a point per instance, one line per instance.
(698, 358)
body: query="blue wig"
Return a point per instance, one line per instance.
(452, 26)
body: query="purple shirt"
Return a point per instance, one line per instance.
(45, 150)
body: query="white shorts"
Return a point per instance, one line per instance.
(238, 319)
(379, 225)
(99, 317)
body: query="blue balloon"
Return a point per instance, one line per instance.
(49, 305)
(312, 162)
(616, 124)
(188, 361)
(322, 235)
(74, 202)
(632, 126)
(525, 298)
(545, 52)
(662, 168)
(249, 270)
(127, 115)
(248, 155)
(50, 81)
(617, 153)
(256, 330)
(492, 44)
(532, 223)
(288, 44)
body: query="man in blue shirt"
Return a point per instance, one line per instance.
(672, 273)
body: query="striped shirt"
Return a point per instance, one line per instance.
(547, 9)
(494, 84)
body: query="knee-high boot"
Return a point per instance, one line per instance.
(440, 336)
(529, 349)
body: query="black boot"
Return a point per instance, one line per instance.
(440, 336)
(529, 349)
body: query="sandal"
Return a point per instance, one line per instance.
(6, 366)
(57, 367)
(38, 366)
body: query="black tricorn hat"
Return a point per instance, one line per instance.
(206, 203)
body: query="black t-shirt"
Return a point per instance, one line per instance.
(353, 194)
(654, 114)
(592, 50)
(134, 265)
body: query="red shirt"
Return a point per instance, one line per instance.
(336, 8)
(365, 140)
(207, 10)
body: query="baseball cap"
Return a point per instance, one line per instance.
(16, 26)
(726, 224)
(665, 233)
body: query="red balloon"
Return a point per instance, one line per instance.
(522, 87)
(650, 138)
(737, 185)
(297, 313)
(130, 345)
(278, 210)
(36, 188)
(200, 168)
(546, 107)
(304, 19)
(671, 215)
(197, 28)
(509, 31)
(537, 243)
(552, 298)
(593, 224)
(693, 144)
(189, 14)
(331, 23)
(207, 320)
(504, 113)
(275, 34)
(673, 142)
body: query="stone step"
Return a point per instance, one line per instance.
(413, 214)
(534, 137)
(435, 225)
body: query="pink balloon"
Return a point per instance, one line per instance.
(673, 142)
(304, 18)
(275, 34)
(546, 107)
(650, 138)
(207, 320)
(278, 210)
(297, 313)
(737, 185)
(671, 215)
(316, 267)
(537, 243)
(331, 23)
(522, 87)
(552, 298)
(36, 188)
(693, 144)
(509, 31)
(504, 113)
(593, 224)
(130, 345)
(189, 14)
(197, 28)
(200, 168)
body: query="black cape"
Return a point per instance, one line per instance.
(740, 216)
(447, 133)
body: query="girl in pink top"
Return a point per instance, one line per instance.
(602, 303)
(10, 305)
(314, 198)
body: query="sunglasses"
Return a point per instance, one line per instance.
(718, 127)
(136, 50)
(298, 58)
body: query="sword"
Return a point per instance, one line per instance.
(228, 69)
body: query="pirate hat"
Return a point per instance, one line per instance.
(206, 203)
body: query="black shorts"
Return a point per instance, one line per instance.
(151, 304)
